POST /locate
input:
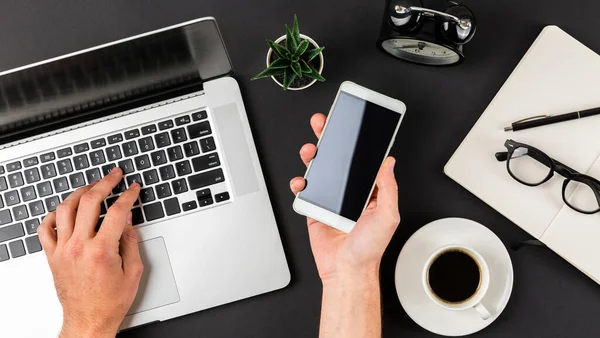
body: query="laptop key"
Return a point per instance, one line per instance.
(179, 186)
(137, 216)
(93, 175)
(16, 249)
(80, 148)
(32, 175)
(146, 144)
(165, 125)
(66, 195)
(167, 172)
(113, 153)
(4, 253)
(115, 139)
(178, 135)
(130, 148)
(52, 203)
(201, 115)
(158, 157)
(126, 166)
(189, 206)
(76, 179)
(110, 201)
(107, 169)
(1, 170)
(205, 179)
(199, 130)
(97, 157)
(12, 198)
(3, 185)
(31, 226)
(28, 193)
(153, 211)
(99, 143)
(204, 193)
(134, 178)
(224, 196)
(142, 162)
(28, 162)
(119, 188)
(149, 129)
(15, 180)
(13, 166)
(47, 157)
(1, 203)
(36, 208)
(163, 190)
(60, 184)
(205, 201)
(206, 162)
(182, 120)
(48, 170)
(147, 195)
(44, 189)
(64, 152)
(162, 140)
(175, 153)
(102, 208)
(191, 149)
(20, 213)
(64, 166)
(172, 206)
(33, 244)
(150, 177)
(81, 162)
(5, 217)
(183, 168)
(11, 232)
(207, 144)
(132, 134)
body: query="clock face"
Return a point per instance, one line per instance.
(420, 51)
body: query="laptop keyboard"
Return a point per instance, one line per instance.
(175, 160)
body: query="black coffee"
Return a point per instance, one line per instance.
(454, 276)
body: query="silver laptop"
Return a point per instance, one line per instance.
(163, 107)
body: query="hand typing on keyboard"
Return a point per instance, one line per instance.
(96, 274)
(348, 264)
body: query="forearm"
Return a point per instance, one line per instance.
(351, 308)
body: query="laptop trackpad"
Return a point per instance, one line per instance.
(157, 287)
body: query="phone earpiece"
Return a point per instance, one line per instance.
(402, 16)
(462, 31)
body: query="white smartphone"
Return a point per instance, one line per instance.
(359, 133)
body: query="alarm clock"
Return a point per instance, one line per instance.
(413, 33)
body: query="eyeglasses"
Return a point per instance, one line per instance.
(532, 167)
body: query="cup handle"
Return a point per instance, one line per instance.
(483, 312)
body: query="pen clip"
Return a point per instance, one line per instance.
(532, 118)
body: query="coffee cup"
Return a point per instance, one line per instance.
(457, 278)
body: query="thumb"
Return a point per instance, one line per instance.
(130, 253)
(387, 193)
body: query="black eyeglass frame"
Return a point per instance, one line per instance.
(568, 173)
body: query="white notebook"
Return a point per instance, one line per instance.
(557, 75)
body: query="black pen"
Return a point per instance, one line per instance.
(542, 120)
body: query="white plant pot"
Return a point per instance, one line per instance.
(314, 44)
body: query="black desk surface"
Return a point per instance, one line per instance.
(550, 297)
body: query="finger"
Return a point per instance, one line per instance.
(130, 252)
(297, 184)
(66, 214)
(387, 193)
(307, 153)
(116, 218)
(317, 122)
(89, 205)
(47, 235)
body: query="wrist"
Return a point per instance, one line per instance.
(71, 329)
(363, 274)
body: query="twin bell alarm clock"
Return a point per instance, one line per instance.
(434, 37)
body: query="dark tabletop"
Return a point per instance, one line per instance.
(550, 297)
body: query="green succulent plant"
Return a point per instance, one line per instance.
(292, 60)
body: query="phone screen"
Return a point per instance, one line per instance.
(350, 153)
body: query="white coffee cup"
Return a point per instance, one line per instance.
(474, 301)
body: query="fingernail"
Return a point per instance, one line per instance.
(392, 164)
(114, 170)
(129, 217)
(93, 183)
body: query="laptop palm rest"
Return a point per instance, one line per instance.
(157, 286)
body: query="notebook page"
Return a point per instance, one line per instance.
(576, 236)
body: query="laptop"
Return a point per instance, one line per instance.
(164, 107)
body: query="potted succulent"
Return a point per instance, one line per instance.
(294, 61)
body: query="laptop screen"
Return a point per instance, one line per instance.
(110, 78)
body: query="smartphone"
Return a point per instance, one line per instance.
(360, 131)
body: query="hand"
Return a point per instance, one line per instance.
(96, 274)
(358, 254)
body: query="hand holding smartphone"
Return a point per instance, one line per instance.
(359, 133)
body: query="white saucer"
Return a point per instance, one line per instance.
(412, 260)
